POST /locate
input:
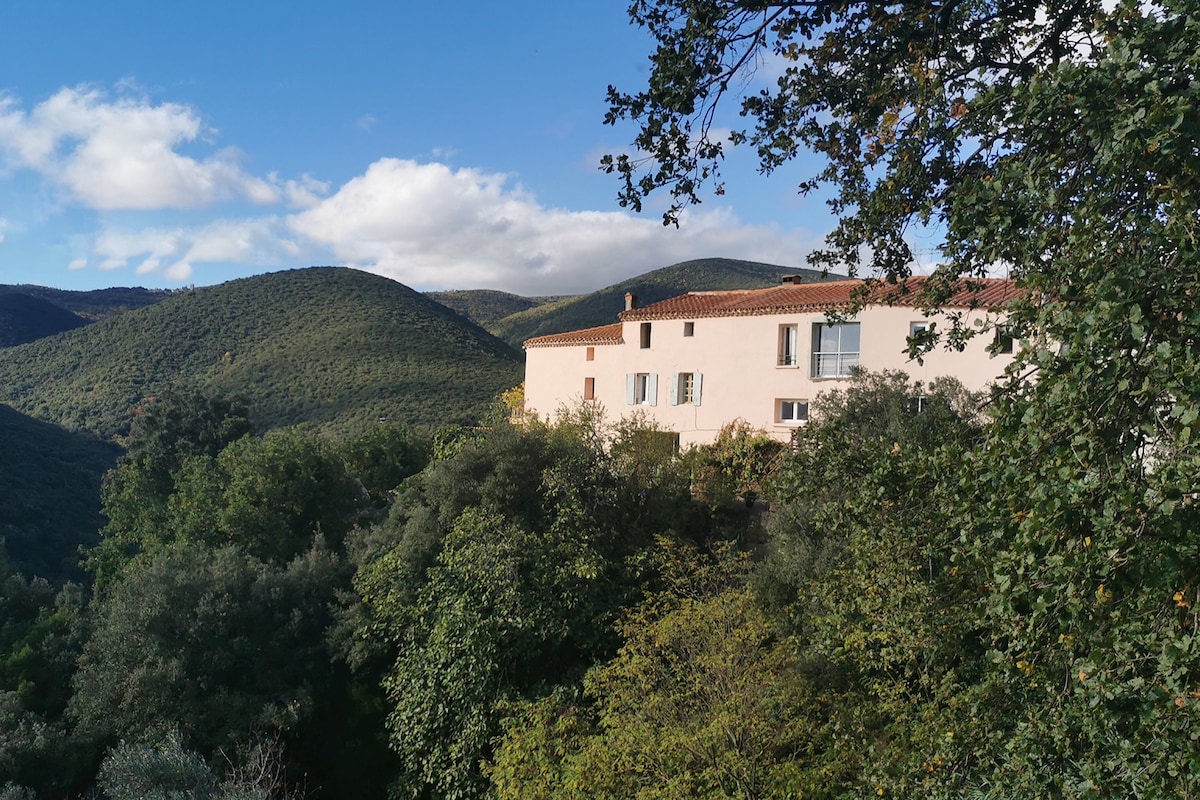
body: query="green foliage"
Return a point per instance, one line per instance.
(160, 767)
(384, 458)
(333, 347)
(271, 496)
(49, 493)
(91, 304)
(602, 307)
(498, 576)
(701, 701)
(861, 574)
(166, 433)
(1058, 142)
(486, 307)
(24, 319)
(160, 771)
(736, 466)
(213, 641)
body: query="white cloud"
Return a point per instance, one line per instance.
(122, 153)
(429, 226)
(174, 252)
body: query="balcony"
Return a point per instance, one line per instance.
(833, 365)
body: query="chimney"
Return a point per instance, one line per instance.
(791, 280)
(630, 301)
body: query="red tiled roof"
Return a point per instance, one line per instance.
(991, 293)
(605, 334)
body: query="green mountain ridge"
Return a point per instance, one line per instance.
(92, 304)
(601, 307)
(486, 307)
(330, 346)
(26, 318)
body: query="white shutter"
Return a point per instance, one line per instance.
(630, 388)
(696, 382)
(652, 389)
(673, 391)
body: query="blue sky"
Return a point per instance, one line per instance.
(446, 145)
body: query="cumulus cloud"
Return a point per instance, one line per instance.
(174, 252)
(431, 226)
(121, 153)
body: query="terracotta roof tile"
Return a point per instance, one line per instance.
(605, 334)
(990, 293)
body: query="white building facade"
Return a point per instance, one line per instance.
(699, 361)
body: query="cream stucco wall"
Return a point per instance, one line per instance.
(737, 357)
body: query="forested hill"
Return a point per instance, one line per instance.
(25, 318)
(602, 307)
(486, 307)
(91, 304)
(49, 493)
(329, 346)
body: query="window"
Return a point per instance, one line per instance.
(835, 349)
(589, 388)
(685, 388)
(645, 335)
(1004, 339)
(917, 328)
(641, 389)
(792, 411)
(591, 354)
(689, 328)
(789, 345)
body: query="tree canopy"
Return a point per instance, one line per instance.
(1057, 141)
(1030, 133)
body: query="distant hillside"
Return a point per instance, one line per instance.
(330, 346)
(49, 493)
(602, 307)
(93, 304)
(486, 307)
(24, 318)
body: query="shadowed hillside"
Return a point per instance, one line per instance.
(24, 318)
(485, 307)
(91, 304)
(602, 307)
(329, 346)
(49, 493)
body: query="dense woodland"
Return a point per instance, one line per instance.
(332, 347)
(927, 594)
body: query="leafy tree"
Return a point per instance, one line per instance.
(863, 575)
(736, 465)
(165, 434)
(162, 771)
(42, 632)
(498, 575)
(382, 459)
(213, 641)
(1057, 141)
(701, 701)
(269, 495)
